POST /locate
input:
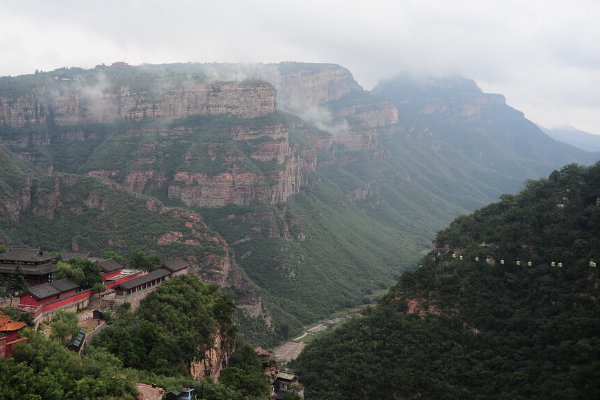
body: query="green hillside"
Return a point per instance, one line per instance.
(515, 318)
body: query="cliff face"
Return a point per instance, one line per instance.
(468, 108)
(83, 107)
(14, 204)
(215, 358)
(268, 144)
(22, 111)
(381, 113)
(354, 140)
(300, 85)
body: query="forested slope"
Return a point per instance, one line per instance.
(505, 306)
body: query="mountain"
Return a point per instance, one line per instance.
(504, 306)
(480, 126)
(574, 137)
(307, 191)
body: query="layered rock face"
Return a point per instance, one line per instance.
(25, 110)
(354, 140)
(81, 107)
(469, 108)
(303, 86)
(307, 86)
(56, 197)
(380, 114)
(269, 144)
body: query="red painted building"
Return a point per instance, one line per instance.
(36, 264)
(9, 335)
(47, 292)
(110, 268)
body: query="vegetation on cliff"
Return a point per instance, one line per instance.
(477, 320)
(174, 324)
(172, 327)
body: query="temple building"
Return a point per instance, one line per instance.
(110, 268)
(176, 267)
(36, 265)
(47, 292)
(9, 335)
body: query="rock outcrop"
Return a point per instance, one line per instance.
(215, 358)
(269, 364)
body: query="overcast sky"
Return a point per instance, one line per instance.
(544, 56)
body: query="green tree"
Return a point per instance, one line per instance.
(91, 271)
(139, 260)
(3, 249)
(250, 383)
(99, 288)
(292, 396)
(67, 270)
(16, 281)
(64, 325)
(114, 255)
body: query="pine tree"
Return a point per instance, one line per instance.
(16, 281)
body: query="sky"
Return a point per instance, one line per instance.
(544, 56)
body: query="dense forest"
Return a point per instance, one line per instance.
(505, 306)
(155, 344)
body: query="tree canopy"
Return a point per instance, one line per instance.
(504, 306)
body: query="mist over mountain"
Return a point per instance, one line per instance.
(575, 137)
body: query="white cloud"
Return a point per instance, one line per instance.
(541, 55)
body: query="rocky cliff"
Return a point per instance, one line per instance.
(268, 144)
(79, 106)
(215, 358)
(380, 113)
(22, 111)
(300, 85)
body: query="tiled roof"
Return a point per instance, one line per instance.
(109, 265)
(175, 265)
(8, 325)
(64, 285)
(67, 255)
(26, 254)
(29, 269)
(43, 291)
(286, 376)
(158, 273)
(46, 290)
